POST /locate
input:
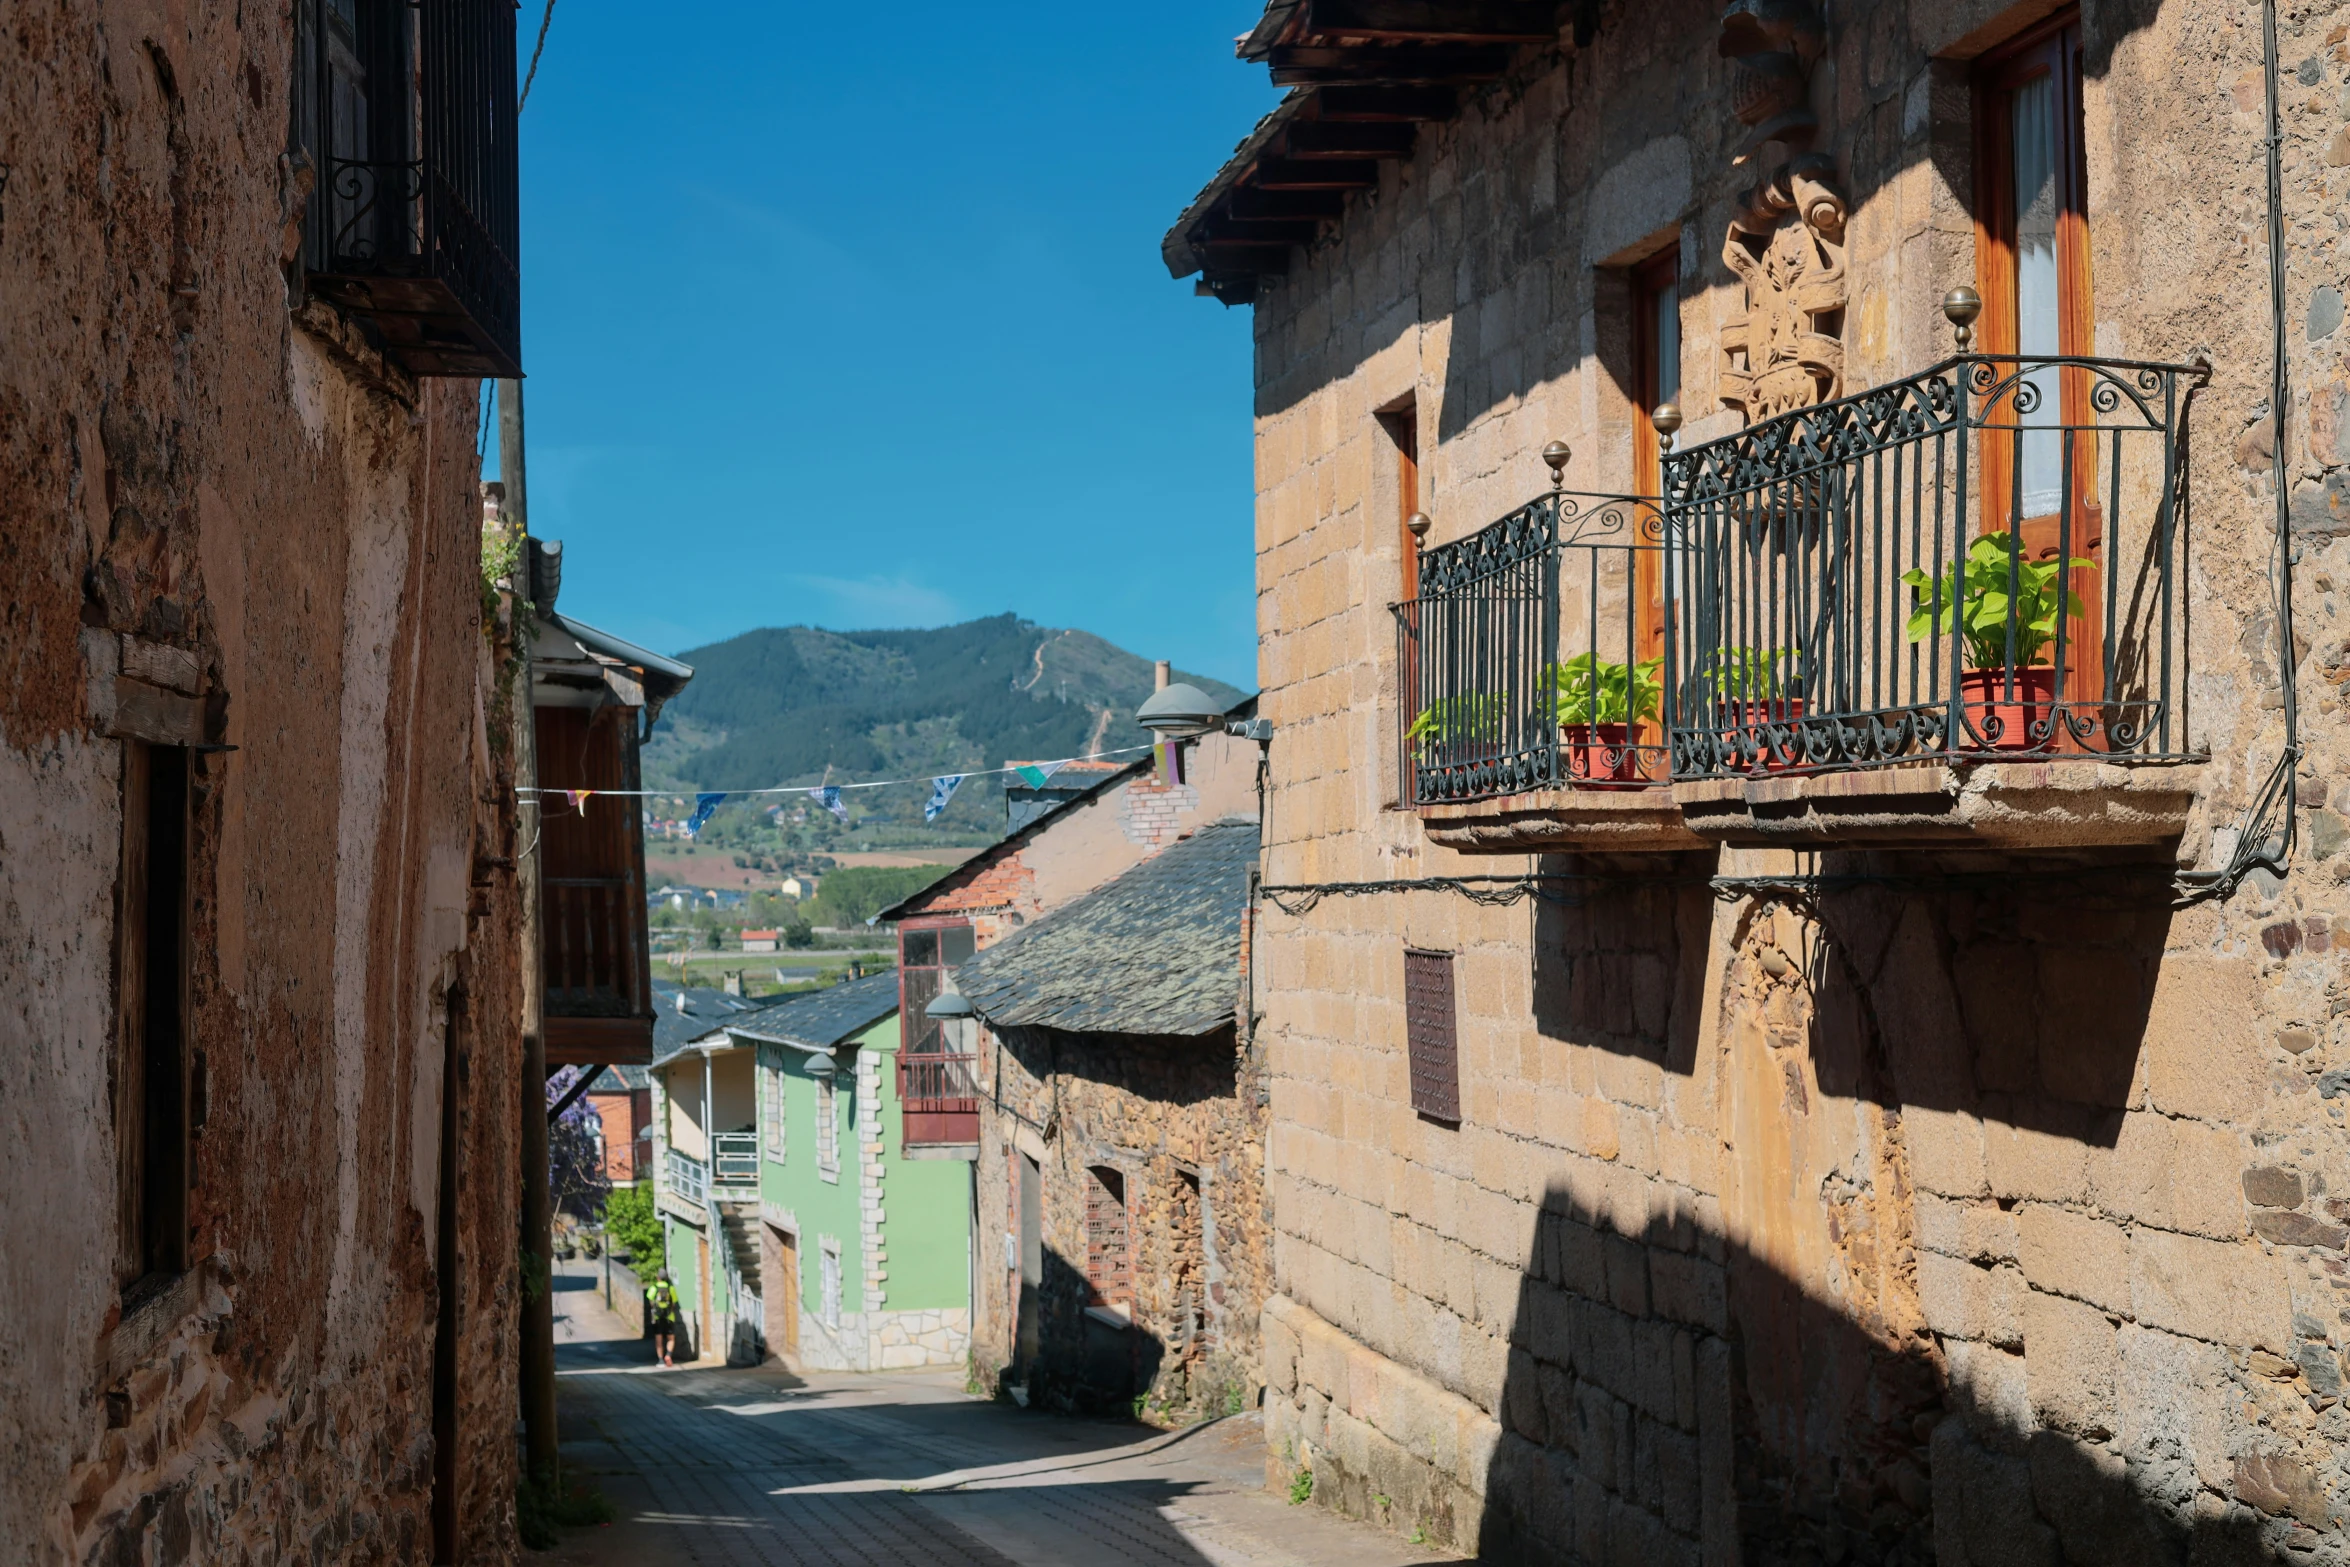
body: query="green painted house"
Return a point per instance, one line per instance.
(865, 1254)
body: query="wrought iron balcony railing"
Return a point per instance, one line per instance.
(1527, 662)
(406, 112)
(1982, 560)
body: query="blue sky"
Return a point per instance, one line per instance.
(857, 322)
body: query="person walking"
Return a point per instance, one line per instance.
(661, 1316)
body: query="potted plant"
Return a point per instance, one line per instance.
(1598, 702)
(1995, 597)
(1455, 721)
(1750, 693)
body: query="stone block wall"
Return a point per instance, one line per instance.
(1183, 1121)
(1963, 1208)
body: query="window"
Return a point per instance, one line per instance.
(828, 1281)
(1402, 424)
(1429, 1037)
(151, 1058)
(772, 1116)
(1109, 1271)
(827, 1123)
(2032, 269)
(926, 954)
(2032, 247)
(406, 114)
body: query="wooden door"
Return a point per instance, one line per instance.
(780, 1289)
(708, 1323)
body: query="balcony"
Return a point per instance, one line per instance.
(406, 113)
(1532, 678)
(688, 1177)
(1948, 610)
(734, 1159)
(939, 1096)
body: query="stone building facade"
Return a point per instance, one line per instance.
(1849, 1163)
(1119, 1187)
(260, 998)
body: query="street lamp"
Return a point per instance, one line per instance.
(1180, 712)
(958, 1022)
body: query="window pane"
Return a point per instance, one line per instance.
(2032, 111)
(919, 988)
(1668, 341)
(919, 949)
(955, 946)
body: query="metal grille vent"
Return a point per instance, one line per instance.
(1430, 1036)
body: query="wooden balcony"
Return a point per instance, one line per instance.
(939, 1097)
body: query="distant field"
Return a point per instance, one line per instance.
(669, 861)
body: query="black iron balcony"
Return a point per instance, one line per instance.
(406, 111)
(1983, 562)
(1527, 662)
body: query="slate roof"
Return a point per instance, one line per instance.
(621, 1079)
(706, 1009)
(1156, 951)
(820, 1019)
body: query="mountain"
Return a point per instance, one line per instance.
(781, 705)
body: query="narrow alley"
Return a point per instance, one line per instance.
(750, 1467)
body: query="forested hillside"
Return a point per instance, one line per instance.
(779, 706)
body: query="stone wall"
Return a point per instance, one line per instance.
(1183, 1122)
(225, 517)
(1954, 1210)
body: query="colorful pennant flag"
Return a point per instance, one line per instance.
(941, 791)
(1034, 774)
(829, 798)
(704, 804)
(579, 799)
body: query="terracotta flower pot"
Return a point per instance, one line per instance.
(2001, 721)
(1600, 755)
(1756, 716)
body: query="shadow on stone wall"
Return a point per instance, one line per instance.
(1968, 985)
(1081, 1364)
(1669, 1396)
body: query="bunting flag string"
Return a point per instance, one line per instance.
(941, 791)
(579, 799)
(829, 798)
(942, 788)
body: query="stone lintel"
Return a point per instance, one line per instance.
(2055, 803)
(1622, 821)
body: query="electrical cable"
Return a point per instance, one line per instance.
(2265, 832)
(540, 48)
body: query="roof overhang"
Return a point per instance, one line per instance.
(1363, 75)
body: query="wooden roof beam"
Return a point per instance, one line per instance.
(1433, 21)
(1342, 139)
(1375, 104)
(1317, 174)
(1248, 204)
(1298, 65)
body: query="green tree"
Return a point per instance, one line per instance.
(634, 1227)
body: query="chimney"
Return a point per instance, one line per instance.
(1166, 674)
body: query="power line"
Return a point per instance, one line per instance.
(541, 48)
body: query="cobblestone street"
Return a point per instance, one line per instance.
(744, 1468)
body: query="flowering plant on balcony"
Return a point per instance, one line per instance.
(1591, 690)
(1995, 591)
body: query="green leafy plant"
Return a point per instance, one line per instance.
(1301, 1487)
(1591, 690)
(1419, 1536)
(1453, 719)
(1978, 597)
(1747, 674)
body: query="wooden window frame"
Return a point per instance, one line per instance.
(2053, 48)
(917, 1034)
(1432, 1035)
(1655, 285)
(151, 1086)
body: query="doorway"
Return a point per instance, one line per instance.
(779, 1265)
